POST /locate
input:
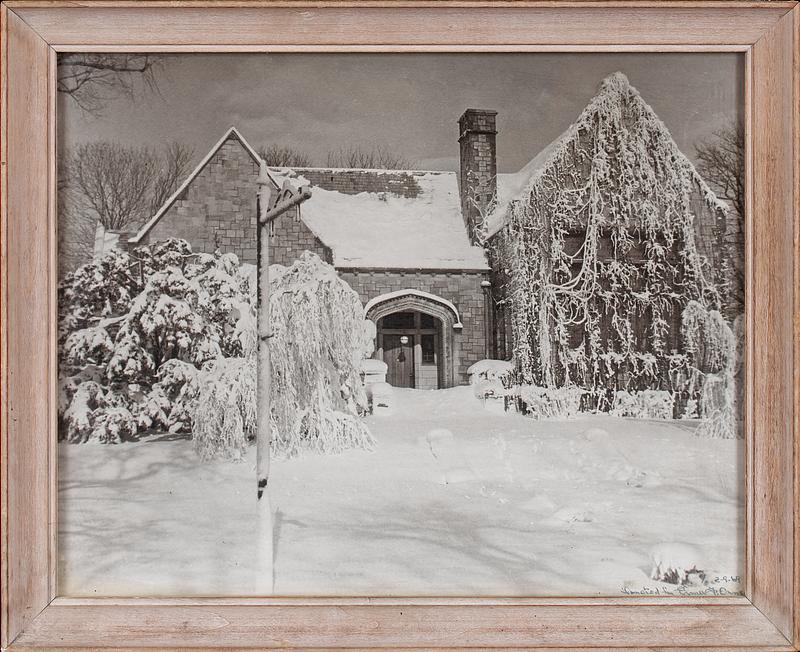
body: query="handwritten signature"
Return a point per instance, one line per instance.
(712, 588)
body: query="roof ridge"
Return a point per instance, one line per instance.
(231, 131)
(612, 88)
(319, 168)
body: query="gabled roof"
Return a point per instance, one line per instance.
(232, 132)
(386, 230)
(614, 90)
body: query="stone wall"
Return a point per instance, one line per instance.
(478, 165)
(463, 289)
(218, 211)
(352, 182)
(292, 237)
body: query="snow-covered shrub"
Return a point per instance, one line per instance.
(138, 325)
(77, 417)
(718, 417)
(319, 338)
(657, 404)
(490, 370)
(169, 343)
(626, 404)
(646, 404)
(712, 351)
(102, 288)
(225, 415)
(113, 425)
(165, 322)
(91, 345)
(97, 415)
(171, 402)
(490, 378)
(690, 410)
(547, 402)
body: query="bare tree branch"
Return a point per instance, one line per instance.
(284, 157)
(122, 186)
(377, 158)
(76, 229)
(174, 168)
(721, 164)
(93, 79)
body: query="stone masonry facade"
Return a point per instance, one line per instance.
(352, 182)
(478, 177)
(463, 289)
(217, 210)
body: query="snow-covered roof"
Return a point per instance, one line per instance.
(613, 90)
(231, 132)
(385, 230)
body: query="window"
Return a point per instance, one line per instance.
(399, 320)
(428, 343)
(427, 321)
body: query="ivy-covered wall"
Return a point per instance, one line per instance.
(595, 264)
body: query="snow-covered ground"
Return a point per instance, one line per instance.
(454, 500)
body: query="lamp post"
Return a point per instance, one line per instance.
(268, 207)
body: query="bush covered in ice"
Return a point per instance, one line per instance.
(135, 328)
(646, 404)
(547, 402)
(164, 339)
(319, 338)
(490, 370)
(490, 378)
(224, 413)
(711, 348)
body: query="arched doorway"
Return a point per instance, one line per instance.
(415, 338)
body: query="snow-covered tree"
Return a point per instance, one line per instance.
(319, 337)
(137, 327)
(164, 339)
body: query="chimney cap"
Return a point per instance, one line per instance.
(477, 121)
(479, 112)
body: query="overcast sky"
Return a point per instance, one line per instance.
(409, 103)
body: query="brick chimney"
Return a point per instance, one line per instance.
(478, 179)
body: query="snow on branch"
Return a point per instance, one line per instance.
(602, 254)
(164, 339)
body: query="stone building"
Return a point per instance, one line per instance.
(600, 248)
(415, 245)
(397, 238)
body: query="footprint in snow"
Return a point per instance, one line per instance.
(453, 466)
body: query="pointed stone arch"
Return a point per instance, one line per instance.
(431, 304)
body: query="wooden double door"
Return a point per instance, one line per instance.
(398, 354)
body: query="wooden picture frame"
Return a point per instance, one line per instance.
(34, 617)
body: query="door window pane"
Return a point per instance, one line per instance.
(428, 343)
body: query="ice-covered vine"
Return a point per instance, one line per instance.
(611, 240)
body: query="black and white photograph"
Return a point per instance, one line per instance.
(401, 324)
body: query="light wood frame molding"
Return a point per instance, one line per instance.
(34, 617)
